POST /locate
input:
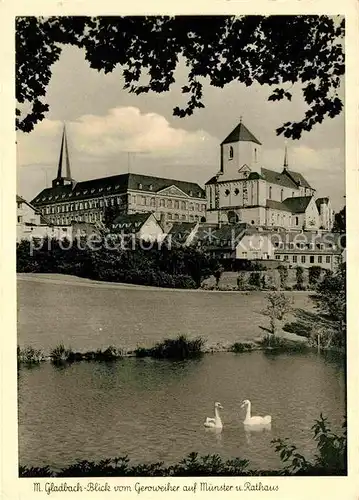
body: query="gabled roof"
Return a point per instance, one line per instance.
(273, 177)
(20, 199)
(277, 205)
(252, 176)
(313, 241)
(298, 178)
(297, 204)
(226, 236)
(240, 133)
(130, 223)
(180, 231)
(116, 184)
(212, 180)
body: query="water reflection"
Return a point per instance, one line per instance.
(215, 433)
(253, 430)
(154, 410)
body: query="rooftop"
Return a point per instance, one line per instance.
(297, 204)
(240, 133)
(117, 184)
(130, 222)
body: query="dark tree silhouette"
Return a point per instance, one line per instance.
(110, 215)
(339, 225)
(278, 51)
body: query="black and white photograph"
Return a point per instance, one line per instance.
(181, 285)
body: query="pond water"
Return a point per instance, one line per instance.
(154, 410)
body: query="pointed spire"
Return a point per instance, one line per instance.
(59, 168)
(64, 151)
(285, 164)
(68, 169)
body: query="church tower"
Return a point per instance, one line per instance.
(61, 179)
(240, 154)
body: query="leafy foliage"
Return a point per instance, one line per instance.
(274, 343)
(315, 273)
(279, 51)
(299, 328)
(29, 356)
(110, 213)
(239, 347)
(339, 225)
(331, 300)
(158, 266)
(179, 348)
(278, 305)
(299, 272)
(331, 457)
(283, 276)
(255, 280)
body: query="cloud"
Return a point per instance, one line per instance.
(108, 144)
(125, 138)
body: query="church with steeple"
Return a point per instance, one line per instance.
(245, 191)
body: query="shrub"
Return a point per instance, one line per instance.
(241, 281)
(314, 275)
(279, 344)
(109, 354)
(142, 352)
(183, 281)
(29, 355)
(302, 329)
(179, 348)
(60, 354)
(255, 279)
(283, 276)
(299, 272)
(239, 347)
(331, 458)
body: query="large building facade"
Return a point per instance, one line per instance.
(244, 191)
(69, 201)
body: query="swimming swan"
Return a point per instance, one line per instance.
(215, 422)
(254, 420)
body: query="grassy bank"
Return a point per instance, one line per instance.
(123, 315)
(176, 349)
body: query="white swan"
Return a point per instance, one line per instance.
(258, 421)
(215, 422)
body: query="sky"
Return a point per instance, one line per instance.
(111, 131)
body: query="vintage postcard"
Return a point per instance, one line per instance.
(179, 243)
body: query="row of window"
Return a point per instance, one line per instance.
(303, 258)
(256, 255)
(81, 205)
(142, 200)
(311, 245)
(183, 217)
(97, 217)
(150, 188)
(166, 203)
